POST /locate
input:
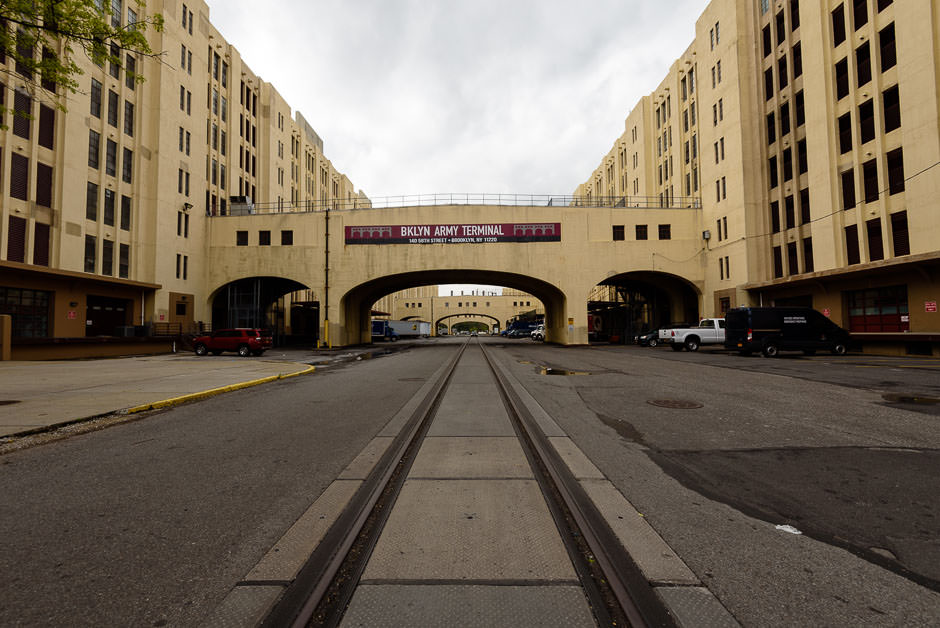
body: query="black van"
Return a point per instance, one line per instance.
(774, 329)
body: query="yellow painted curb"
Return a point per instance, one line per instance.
(166, 403)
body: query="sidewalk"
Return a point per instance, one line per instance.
(39, 395)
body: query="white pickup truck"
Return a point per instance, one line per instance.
(710, 331)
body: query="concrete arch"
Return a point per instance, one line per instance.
(246, 302)
(497, 322)
(649, 299)
(355, 305)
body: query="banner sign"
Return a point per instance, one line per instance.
(455, 234)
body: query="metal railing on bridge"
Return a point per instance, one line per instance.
(241, 208)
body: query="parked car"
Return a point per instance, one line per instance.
(709, 331)
(538, 333)
(647, 339)
(244, 341)
(774, 329)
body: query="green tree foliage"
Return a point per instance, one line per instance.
(42, 38)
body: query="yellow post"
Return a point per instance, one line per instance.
(6, 334)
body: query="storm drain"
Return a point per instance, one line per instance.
(676, 404)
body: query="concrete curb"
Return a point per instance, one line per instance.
(175, 401)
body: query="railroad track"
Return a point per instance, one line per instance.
(615, 593)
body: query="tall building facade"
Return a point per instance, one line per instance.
(105, 206)
(809, 130)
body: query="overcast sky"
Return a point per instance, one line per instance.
(496, 96)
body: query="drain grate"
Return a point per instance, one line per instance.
(8, 402)
(676, 404)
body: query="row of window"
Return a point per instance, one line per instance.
(30, 310)
(264, 238)
(107, 257)
(863, 72)
(16, 241)
(891, 116)
(19, 180)
(108, 214)
(641, 232)
(859, 17)
(110, 157)
(870, 187)
(113, 113)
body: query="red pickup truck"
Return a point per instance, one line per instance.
(245, 341)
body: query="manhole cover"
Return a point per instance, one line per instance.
(8, 402)
(677, 404)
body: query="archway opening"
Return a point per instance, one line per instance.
(285, 307)
(528, 294)
(626, 305)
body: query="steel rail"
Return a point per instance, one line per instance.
(315, 588)
(577, 517)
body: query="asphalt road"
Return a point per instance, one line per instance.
(152, 522)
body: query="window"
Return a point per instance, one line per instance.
(784, 119)
(787, 164)
(896, 171)
(866, 120)
(838, 25)
(94, 149)
(179, 264)
(618, 232)
(842, 79)
(863, 63)
(264, 238)
(883, 4)
(845, 133)
(801, 156)
(778, 262)
(124, 258)
(899, 235)
(870, 174)
(771, 128)
(130, 74)
(782, 74)
(794, 14)
(805, 213)
(792, 261)
(114, 68)
(851, 245)
(129, 118)
(775, 217)
(43, 185)
(860, 13)
(797, 60)
(665, 232)
(95, 98)
(878, 309)
(91, 201)
(41, 244)
(22, 113)
(889, 56)
(767, 43)
(808, 265)
(789, 212)
(774, 180)
(241, 238)
(107, 257)
(110, 161)
(848, 189)
(19, 176)
(287, 236)
(30, 309)
(891, 104)
(112, 108)
(875, 243)
(109, 207)
(769, 83)
(90, 246)
(641, 232)
(799, 109)
(128, 166)
(125, 213)
(781, 28)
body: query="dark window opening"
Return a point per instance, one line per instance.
(842, 79)
(838, 25)
(851, 245)
(775, 217)
(863, 63)
(899, 235)
(891, 103)
(241, 238)
(808, 265)
(896, 171)
(870, 175)
(793, 267)
(848, 189)
(778, 262)
(889, 54)
(875, 244)
(618, 232)
(845, 133)
(866, 120)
